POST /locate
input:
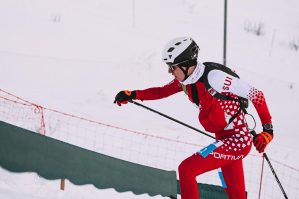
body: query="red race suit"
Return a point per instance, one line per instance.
(233, 140)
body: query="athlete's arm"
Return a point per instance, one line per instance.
(223, 83)
(159, 92)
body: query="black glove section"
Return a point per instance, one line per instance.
(124, 96)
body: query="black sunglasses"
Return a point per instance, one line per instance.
(172, 67)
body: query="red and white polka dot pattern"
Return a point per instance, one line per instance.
(256, 96)
(241, 137)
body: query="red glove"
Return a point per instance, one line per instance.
(261, 140)
(124, 96)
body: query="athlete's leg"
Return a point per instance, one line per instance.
(192, 167)
(234, 178)
(224, 152)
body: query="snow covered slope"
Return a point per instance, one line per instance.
(75, 56)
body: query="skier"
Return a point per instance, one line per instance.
(221, 97)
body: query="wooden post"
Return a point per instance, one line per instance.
(62, 184)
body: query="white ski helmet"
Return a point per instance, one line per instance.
(180, 50)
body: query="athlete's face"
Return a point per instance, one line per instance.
(176, 72)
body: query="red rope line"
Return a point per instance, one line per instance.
(38, 109)
(15, 101)
(17, 97)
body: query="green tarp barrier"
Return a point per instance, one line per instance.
(22, 151)
(25, 151)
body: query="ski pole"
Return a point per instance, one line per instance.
(168, 117)
(272, 169)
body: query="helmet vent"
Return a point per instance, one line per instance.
(170, 49)
(180, 49)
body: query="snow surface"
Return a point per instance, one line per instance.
(74, 56)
